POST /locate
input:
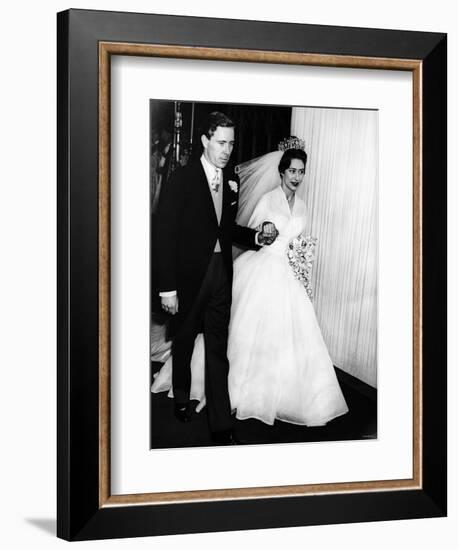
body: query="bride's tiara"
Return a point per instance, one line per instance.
(291, 143)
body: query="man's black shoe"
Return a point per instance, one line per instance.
(224, 437)
(183, 412)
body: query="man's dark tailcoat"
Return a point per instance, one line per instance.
(186, 233)
(187, 230)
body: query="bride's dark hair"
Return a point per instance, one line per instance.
(288, 156)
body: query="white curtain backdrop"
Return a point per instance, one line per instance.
(341, 191)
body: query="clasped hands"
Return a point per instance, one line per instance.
(267, 233)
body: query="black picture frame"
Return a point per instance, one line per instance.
(81, 513)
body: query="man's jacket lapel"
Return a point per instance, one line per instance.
(208, 208)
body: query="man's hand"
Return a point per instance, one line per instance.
(268, 233)
(170, 304)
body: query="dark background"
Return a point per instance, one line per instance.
(258, 128)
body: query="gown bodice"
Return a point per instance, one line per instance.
(274, 207)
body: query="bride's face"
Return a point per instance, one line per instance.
(293, 176)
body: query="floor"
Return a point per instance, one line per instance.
(359, 423)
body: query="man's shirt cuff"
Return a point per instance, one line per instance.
(256, 241)
(168, 294)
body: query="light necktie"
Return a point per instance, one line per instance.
(216, 182)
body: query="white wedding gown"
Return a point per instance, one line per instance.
(279, 364)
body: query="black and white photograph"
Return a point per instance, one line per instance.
(263, 273)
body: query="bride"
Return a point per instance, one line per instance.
(279, 364)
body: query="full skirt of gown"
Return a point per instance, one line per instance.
(280, 367)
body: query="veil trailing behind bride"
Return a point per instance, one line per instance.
(280, 367)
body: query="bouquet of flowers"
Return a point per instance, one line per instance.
(301, 255)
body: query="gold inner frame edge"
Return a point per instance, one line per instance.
(106, 50)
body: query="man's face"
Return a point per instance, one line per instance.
(218, 148)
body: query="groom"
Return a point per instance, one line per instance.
(195, 230)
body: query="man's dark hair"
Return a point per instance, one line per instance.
(288, 156)
(215, 119)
